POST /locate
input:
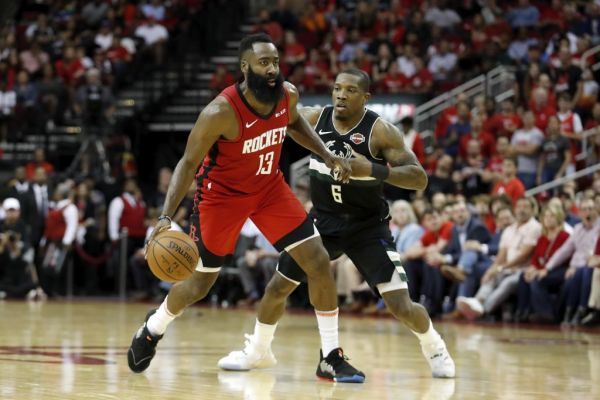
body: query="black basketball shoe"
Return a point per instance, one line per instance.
(143, 347)
(335, 367)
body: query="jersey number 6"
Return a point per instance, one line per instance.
(336, 192)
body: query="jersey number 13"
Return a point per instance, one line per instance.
(265, 164)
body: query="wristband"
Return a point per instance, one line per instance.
(380, 171)
(165, 217)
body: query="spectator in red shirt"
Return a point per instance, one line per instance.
(594, 121)
(412, 139)
(490, 114)
(485, 139)
(423, 278)
(271, 28)
(540, 106)
(422, 81)
(507, 121)
(293, 52)
(39, 160)
(495, 164)
(394, 81)
(456, 131)
(70, 68)
(447, 117)
(536, 281)
(317, 69)
(510, 184)
(570, 123)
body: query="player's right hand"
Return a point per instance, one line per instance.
(340, 168)
(161, 226)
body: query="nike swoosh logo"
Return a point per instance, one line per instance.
(249, 124)
(324, 133)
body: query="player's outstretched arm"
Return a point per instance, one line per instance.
(217, 119)
(405, 172)
(305, 135)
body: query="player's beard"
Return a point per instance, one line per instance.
(259, 86)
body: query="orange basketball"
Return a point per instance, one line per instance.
(172, 256)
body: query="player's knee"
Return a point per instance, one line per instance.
(400, 306)
(317, 265)
(278, 288)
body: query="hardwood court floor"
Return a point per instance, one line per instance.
(77, 351)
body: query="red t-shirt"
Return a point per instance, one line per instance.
(32, 166)
(502, 123)
(485, 139)
(496, 164)
(490, 222)
(68, 72)
(448, 117)
(513, 189)
(421, 79)
(546, 248)
(394, 83)
(542, 114)
(117, 53)
(430, 237)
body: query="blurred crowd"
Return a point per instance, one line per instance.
(61, 61)
(429, 46)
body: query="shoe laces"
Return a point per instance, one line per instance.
(339, 357)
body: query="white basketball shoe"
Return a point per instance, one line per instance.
(249, 358)
(442, 365)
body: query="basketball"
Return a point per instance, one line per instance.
(172, 256)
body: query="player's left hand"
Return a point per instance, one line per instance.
(361, 166)
(340, 168)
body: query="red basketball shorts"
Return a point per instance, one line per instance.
(275, 211)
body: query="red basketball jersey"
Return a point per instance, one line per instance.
(251, 162)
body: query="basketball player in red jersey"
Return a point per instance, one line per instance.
(235, 147)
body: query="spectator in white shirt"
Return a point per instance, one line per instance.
(441, 16)
(443, 62)
(502, 278)
(59, 233)
(104, 37)
(526, 143)
(155, 37)
(406, 62)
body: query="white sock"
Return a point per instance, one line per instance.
(158, 322)
(263, 335)
(328, 328)
(430, 336)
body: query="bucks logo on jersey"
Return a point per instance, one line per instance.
(360, 196)
(339, 148)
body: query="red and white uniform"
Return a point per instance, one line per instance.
(240, 179)
(570, 124)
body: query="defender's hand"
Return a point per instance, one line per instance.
(161, 226)
(340, 168)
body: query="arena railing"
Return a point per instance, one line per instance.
(590, 53)
(561, 181)
(497, 83)
(584, 142)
